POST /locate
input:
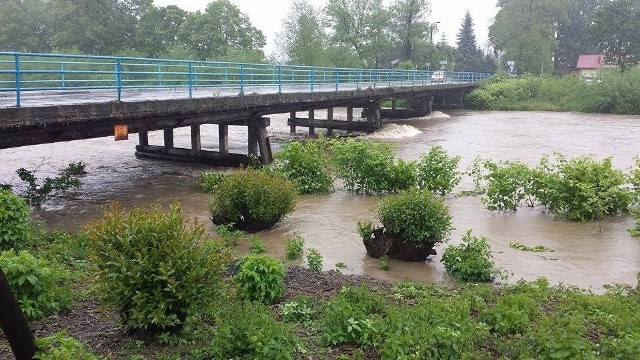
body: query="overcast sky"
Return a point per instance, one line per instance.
(267, 15)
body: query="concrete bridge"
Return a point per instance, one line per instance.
(47, 98)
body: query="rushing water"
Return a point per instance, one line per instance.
(585, 254)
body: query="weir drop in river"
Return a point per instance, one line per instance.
(589, 255)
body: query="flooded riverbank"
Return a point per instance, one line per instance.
(584, 255)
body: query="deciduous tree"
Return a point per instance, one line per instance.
(615, 29)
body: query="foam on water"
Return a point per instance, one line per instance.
(437, 115)
(395, 131)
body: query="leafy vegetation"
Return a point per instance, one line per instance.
(261, 279)
(306, 165)
(257, 246)
(37, 192)
(41, 288)
(507, 184)
(156, 268)
(437, 171)
(471, 260)
(15, 223)
(314, 260)
(59, 346)
(415, 216)
(367, 167)
(209, 181)
(294, 247)
(523, 247)
(252, 200)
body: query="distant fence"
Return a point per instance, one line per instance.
(28, 72)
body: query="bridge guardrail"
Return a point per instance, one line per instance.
(29, 72)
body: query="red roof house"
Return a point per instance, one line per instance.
(586, 62)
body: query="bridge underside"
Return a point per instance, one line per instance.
(40, 125)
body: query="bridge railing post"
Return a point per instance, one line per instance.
(18, 80)
(279, 79)
(337, 78)
(311, 78)
(62, 84)
(190, 79)
(241, 79)
(119, 77)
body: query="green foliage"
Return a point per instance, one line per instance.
(228, 235)
(582, 188)
(384, 263)
(314, 260)
(507, 185)
(635, 231)
(416, 216)
(249, 331)
(59, 346)
(36, 193)
(40, 288)
(70, 250)
(512, 313)
(365, 229)
(471, 260)
(261, 278)
(257, 246)
(294, 247)
(437, 171)
(367, 167)
(301, 309)
(306, 165)
(615, 28)
(209, 181)
(252, 200)
(156, 268)
(15, 225)
(353, 316)
(523, 247)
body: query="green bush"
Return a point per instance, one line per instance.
(59, 346)
(294, 247)
(156, 268)
(210, 180)
(305, 165)
(471, 260)
(353, 316)
(367, 167)
(40, 288)
(36, 193)
(508, 183)
(511, 314)
(635, 213)
(252, 200)
(249, 331)
(314, 260)
(582, 188)
(257, 246)
(15, 225)
(416, 216)
(261, 278)
(301, 309)
(437, 171)
(70, 250)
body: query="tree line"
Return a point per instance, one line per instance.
(354, 33)
(547, 36)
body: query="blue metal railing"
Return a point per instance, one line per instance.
(29, 72)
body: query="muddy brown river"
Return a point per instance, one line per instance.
(589, 255)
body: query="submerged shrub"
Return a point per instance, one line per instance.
(294, 247)
(367, 167)
(15, 225)
(415, 216)
(209, 180)
(40, 288)
(471, 260)
(314, 260)
(261, 278)
(155, 267)
(306, 165)
(507, 184)
(251, 200)
(438, 172)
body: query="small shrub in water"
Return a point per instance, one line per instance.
(252, 200)
(471, 260)
(314, 260)
(40, 288)
(15, 225)
(507, 185)
(294, 247)
(384, 263)
(36, 193)
(155, 267)
(261, 278)
(257, 246)
(437, 171)
(416, 216)
(305, 165)
(210, 180)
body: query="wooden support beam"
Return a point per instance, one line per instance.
(292, 129)
(349, 116)
(312, 130)
(223, 139)
(264, 145)
(252, 134)
(330, 117)
(143, 138)
(393, 104)
(188, 155)
(196, 143)
(334, 124)
(168, 138)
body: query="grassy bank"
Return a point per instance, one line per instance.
(612, 92)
